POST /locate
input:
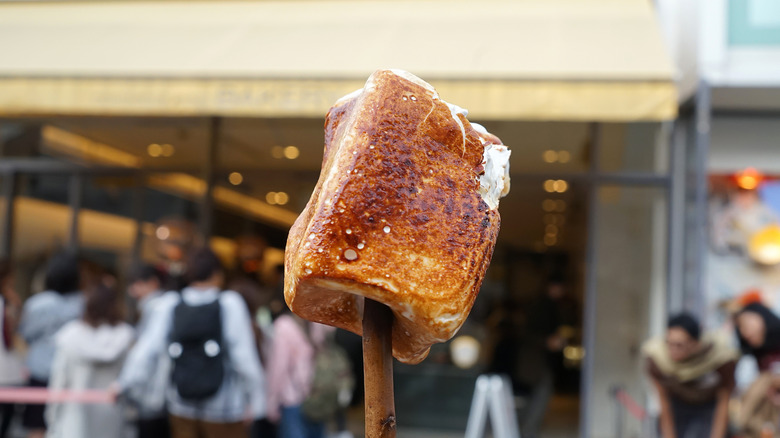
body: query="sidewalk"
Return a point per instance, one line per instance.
(562, 421)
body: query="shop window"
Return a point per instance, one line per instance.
(754, 23)
(634, 147)
(545, 147)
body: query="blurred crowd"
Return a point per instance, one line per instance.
(211, 353)
(208, 354)
(708, 387)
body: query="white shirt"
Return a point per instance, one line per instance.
(243, 374)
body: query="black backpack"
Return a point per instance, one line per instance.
(196, 349)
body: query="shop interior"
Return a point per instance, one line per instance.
(139, 189)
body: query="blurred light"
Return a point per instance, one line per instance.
(560, 220)
(291, 152)
(464, 351)
(277, 152)
(154, 150)
(163, 232)
(270, 198)
(551, 229)
(235, 178)
(764, 246)
(548, 205)
(564, 156)
(549, 218)
(560, 186)
(550, 156)
(749, 179)
(72, 144)
(574, 353)
(167, 150)
(549, 186)
(550, 239)
(281, 198)
(560, 206)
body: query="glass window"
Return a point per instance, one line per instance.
(754, 23)
(545, 147)
(634, 147)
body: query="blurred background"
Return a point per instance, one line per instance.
(645, 159)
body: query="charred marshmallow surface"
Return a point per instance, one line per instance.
(405, 213)
(494, 182)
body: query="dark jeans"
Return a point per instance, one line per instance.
(295, 425)
(262, 429)
(33, 417)
(692, 421)
(154, 428)
(6, 415)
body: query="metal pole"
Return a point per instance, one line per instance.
(207, 202)
(591, 290)
(75, 194)
(138, 201)
(703, 115)
(9, 196)
(139, 198)
(619, 420)
(676, 221)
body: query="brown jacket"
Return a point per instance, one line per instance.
(698, 379)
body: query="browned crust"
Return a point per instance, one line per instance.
(421, 182)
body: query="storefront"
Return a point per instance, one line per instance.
(122, 118)
(744, 214)
(732, 129)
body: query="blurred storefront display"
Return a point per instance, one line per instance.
(736, 126)
(136, 130)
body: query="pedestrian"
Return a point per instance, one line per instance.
(89, 355)
(759, 412)
(146, 287)
(290, 374)
(208, 334)
(11, 372)
(758, 331)
(43, 315)
(694, 376)
(251, 291)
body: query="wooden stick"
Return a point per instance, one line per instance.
(378, 369)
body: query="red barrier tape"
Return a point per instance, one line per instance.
(631, 405)
(42, 396)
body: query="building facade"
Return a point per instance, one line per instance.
(136, 130)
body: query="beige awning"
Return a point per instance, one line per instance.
(505, 60)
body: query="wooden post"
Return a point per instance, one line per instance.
(378, 369)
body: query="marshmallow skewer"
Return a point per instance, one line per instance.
(378, 369)
(399, 231)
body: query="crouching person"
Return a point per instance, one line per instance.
(694, 377)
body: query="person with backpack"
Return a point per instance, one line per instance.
(309, 377)
(208, 334)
